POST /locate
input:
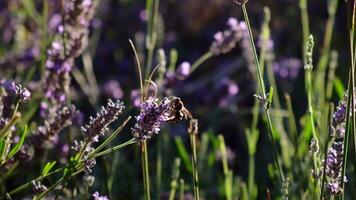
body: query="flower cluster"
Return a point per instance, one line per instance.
(334, 160)
(61, 55)
(225, 41)
(98, 126)
(149, 120)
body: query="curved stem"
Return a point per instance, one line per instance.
(201, 60)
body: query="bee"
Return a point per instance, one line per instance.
(177, 111)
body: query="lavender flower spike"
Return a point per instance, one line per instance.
(334, 160)
(150, 118)
(98, 125)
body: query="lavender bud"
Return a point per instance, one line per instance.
(309, 54)
(314, 146)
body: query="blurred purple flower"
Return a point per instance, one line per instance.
(287, 68)
(112, 89)
(225, 41)
(135, 97)
(228, 89)
(183, 71)
(60, 118)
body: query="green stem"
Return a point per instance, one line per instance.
(175, 176)
(112, 149)
(305, 24)
(201, 60)
(264, 95)
(310, 105)
(145, 171)
(181, 189)
(227, 172)
(194, 166)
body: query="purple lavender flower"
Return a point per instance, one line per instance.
(149, 120)
(225, 41)
(98, 125)
(97, 196)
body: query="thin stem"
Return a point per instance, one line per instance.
(175, 176)
(151, 39)
(226, 170)
(310, 105)
(305, 24)
(112, 149)
(29, 183)
(138, 68)
(350, 101)
(194, 166)
(263, 93)
(181, 189)
(201, 60)
(145, 171)
(111, 137)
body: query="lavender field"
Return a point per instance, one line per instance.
(177, 99)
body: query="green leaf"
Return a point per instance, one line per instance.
(18, 146)
(183, 153)
(48, 167)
